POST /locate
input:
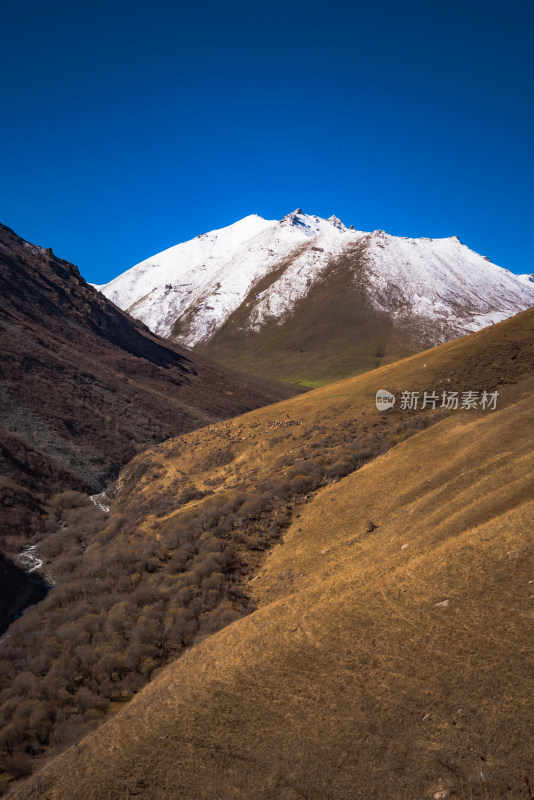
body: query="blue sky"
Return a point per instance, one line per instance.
(130, 127)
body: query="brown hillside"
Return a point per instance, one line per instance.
(332, 333)
(83, 387)
(389, 660)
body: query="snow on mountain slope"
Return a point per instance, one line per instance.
(213, 273)
(443, 280)
(190, 291)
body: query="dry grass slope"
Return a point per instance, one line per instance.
(391, 663)
(333, 333)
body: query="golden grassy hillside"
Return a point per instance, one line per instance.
(332, 333)
(393, 663)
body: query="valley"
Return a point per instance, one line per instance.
(83, 388)
(266, 478)
(302, 584)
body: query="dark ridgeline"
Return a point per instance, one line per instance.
(84, 388)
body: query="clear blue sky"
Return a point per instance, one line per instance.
(128, 127)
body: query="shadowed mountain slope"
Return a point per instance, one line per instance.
(389, 655)
(18, 591)
(83, 386)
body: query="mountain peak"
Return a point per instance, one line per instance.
(257, 274)
(311, 224)
(336, 222)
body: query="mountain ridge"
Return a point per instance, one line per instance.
(226, 291)
(84, 387)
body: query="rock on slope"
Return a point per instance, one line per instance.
(308, 299)
(17, 592)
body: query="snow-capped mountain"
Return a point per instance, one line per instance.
(220, 291)
(208, 277)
